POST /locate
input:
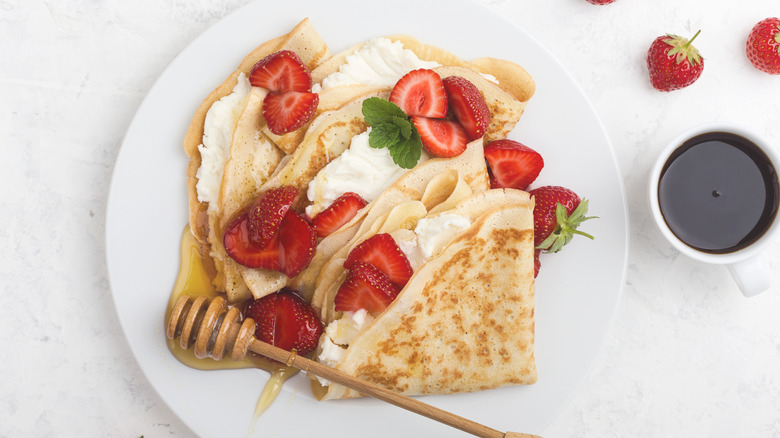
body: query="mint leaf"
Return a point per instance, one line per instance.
(391, 129)
(376, 111)
(384, 135)
(404, 125)
(406, 152)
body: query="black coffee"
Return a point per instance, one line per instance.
(718, 192)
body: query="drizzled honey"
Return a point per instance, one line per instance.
(194, 281)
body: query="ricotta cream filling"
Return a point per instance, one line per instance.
(379, 62)
(360, 169)
(337, 337)
(220, 123)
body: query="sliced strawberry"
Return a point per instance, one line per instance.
(442, 138)
(240, 247)
(512, 164)
(297, 244)
(365, 288)
(281, 71)
(383, 253)
(285, 320)
(267, 212)
(493, 181)
(468, 105)
(288, 252)
(420, 93)
(343, 209)
(287, 111)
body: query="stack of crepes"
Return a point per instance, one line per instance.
(465, 320)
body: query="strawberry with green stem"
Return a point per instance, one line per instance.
(558, 212)
(673, 62)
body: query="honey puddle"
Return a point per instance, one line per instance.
(193, 280)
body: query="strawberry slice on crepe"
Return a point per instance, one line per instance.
(440, 137)
(287, 111)
(468, 105)
(365, 287)
(343, 209)
(512, 164)
(266, 214)
(420, 93)
(285, 320)
(383, 253)
(289, 249)
(281, 71)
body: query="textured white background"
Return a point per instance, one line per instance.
(687, 355)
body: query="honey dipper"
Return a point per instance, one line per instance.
(215, 330)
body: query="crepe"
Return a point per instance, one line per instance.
(465, 320)
(258, 158)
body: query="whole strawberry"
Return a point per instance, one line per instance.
(600, 2)
(763, 46)
(285, 320)
(558, 212)
(673, 62)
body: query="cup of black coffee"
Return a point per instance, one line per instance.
(714, 195)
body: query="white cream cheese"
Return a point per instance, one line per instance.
(411, 249)
(221, 120)
(379, 62)
(436, 232)
(360, 169)
(337, 337)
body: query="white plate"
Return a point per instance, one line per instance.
(577, 290)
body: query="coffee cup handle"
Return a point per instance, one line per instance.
(750, 275)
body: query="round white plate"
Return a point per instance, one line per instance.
(577, 289)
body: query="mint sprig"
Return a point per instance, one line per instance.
(391, 129)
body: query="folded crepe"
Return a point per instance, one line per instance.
(465, 320)
(252, 157)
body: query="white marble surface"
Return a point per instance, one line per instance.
(687, 355)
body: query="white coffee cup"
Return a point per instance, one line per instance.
(745, 264)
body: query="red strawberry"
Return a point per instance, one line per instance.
(468, 105)
(365, 288)
(557, 214)
(288, 252)
(281, 71)
(285, 320)
(537, 263)
(267, 212)
(343, 209)
(383, 253)
(512, 164)
(493, 181)
(673, 62)
(287, 111)
(420, 93)
(297, 244)
(763, 46)
(240, 247)
(600, 2)
(442, 138)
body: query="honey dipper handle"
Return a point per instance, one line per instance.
(368, 388)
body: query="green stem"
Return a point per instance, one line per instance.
(691, 40)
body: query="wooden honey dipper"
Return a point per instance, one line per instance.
(216, 330)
